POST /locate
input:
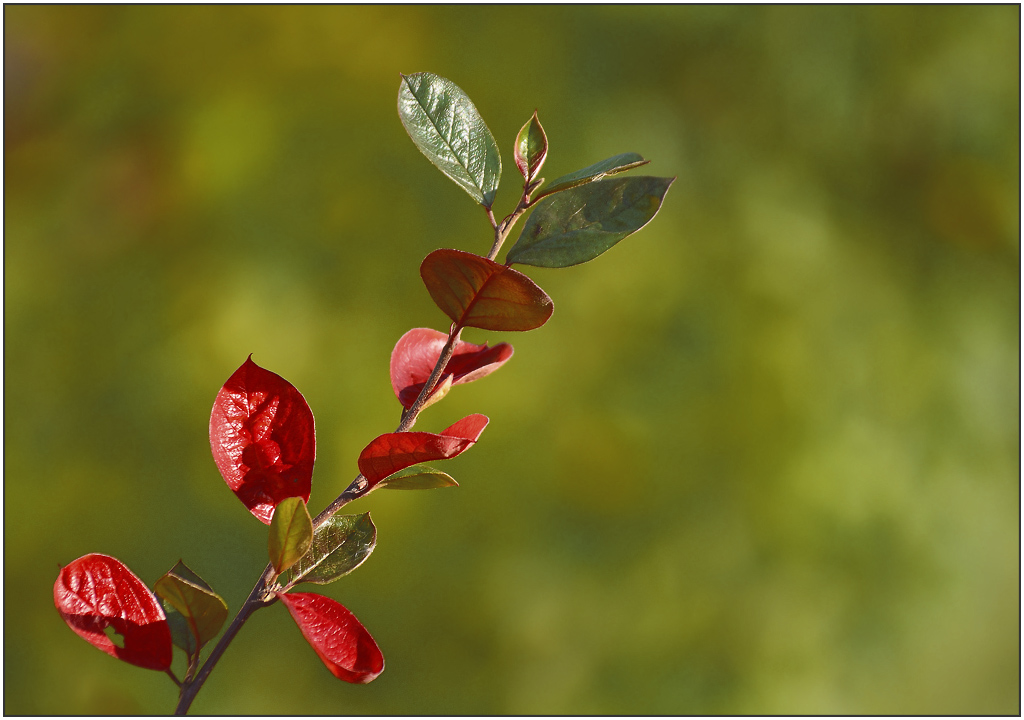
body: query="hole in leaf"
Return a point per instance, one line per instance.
(115, 636)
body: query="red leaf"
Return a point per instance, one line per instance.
(389, 453)
(263, 440)
(340, 640)
(96, 592)
(417, 351)
(476, 292)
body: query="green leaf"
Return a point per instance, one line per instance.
(182, 634)
(611, 166)
(340, 545)
(531, 149)
(417, 477)
(291, 532)
(579, 224)
(194, 611)
(447, 128)
(476, 292)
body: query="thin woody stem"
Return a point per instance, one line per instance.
(255, 600)
(490, 216)
(409, 416)
(501, 230)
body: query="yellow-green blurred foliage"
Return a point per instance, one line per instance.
(763, 459)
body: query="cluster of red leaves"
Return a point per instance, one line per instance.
(262, 432)
(263, 441)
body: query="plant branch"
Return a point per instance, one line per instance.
(257, 598)
(501, 230)
(409, 416)
(355, 489)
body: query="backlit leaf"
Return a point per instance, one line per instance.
(476, 292)
(182, 633)
(263, 440)
(579, 224)
(389, 453)
(446, 127)
(531, 149)
(418, 477)
(611, 166)
(193, 603)
(439, 392)
(416, 354)
(96, 592)
(337, 637)
(339, 546)
(291, 532)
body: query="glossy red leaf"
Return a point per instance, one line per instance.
(341, 641)
(476, 292)
(389, 453)
(263, 440)
(96, 592)
(417, 351)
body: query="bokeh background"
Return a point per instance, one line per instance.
(764, 458)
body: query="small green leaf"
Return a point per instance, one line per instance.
(447, 128)
(194, 611)
(611, 166)
(339, 546)
(579, 224)
(417, 477)
(291, 532)
(531, 149)
(182, 634)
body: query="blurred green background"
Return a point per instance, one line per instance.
(764, 458)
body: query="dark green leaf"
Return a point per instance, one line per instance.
(417, 477)
(581, 223)
(611, 166)
(340, 545)
(447, 128)
(194, 611)
(291, 532)
(182, 634)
